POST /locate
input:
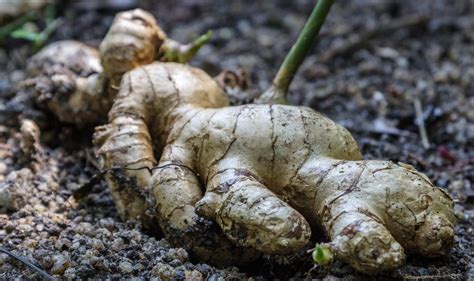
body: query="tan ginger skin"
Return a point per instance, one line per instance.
(268, 175)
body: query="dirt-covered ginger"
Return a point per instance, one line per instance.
(230, 182)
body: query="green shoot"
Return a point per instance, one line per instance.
(174, 51)
(278, 92)
(18, 28)
(38, 38)
(322, 254)
(7, 29)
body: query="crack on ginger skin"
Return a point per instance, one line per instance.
(232, 141)
(176, 90)
(307, 149)
(412, 213)
(351, 188)
(274, 139)
(233, 182)
(322, 177)
(351, 178)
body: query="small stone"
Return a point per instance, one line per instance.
(138, 267)
(39, 208)
(45, 260)
(84, 228)
(70, 274)
(179, 274)
(24, 229)
(39, 227)
(12, 194)
(98, 263)
(178, 253)
(163, 271)
(103, 233)
(3, 258)
(423, 271)
(3, 168)
(62, 244)
(30, 243)
(193, 275)
(108, 223)
(61, 263)
(126, 267)
(175, 263)
(53, 230)
(117, 244)
(98, 245)
(75, 245)
(6, 267)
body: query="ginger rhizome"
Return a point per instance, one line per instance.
(231, 182)
(78, 83)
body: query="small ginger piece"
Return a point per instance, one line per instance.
(230, 182)
(78, 83)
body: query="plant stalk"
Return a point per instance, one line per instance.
(277, 93)
(8, 28)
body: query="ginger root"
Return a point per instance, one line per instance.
(229, 182)
(78, 83)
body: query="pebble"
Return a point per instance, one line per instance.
(98, 245)
(117, 244)
(63, 244)
(138, 267)
(175, 263)
(178, 253)
(3, 168)
(5, 197)
(30, 243)
(126, 267)
(163, 271)
(61, 263)
(3, 258)
(70, 274)
(179, 274)
(193, 275)
(108, 223)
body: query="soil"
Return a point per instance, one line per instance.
(373, 88)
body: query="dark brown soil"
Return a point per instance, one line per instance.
(371, 89)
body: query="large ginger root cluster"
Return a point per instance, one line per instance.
(231, 182)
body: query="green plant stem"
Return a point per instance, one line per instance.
(297, 54)
(190, 50)
(177, 52)
(302, 46)
(7, 29)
